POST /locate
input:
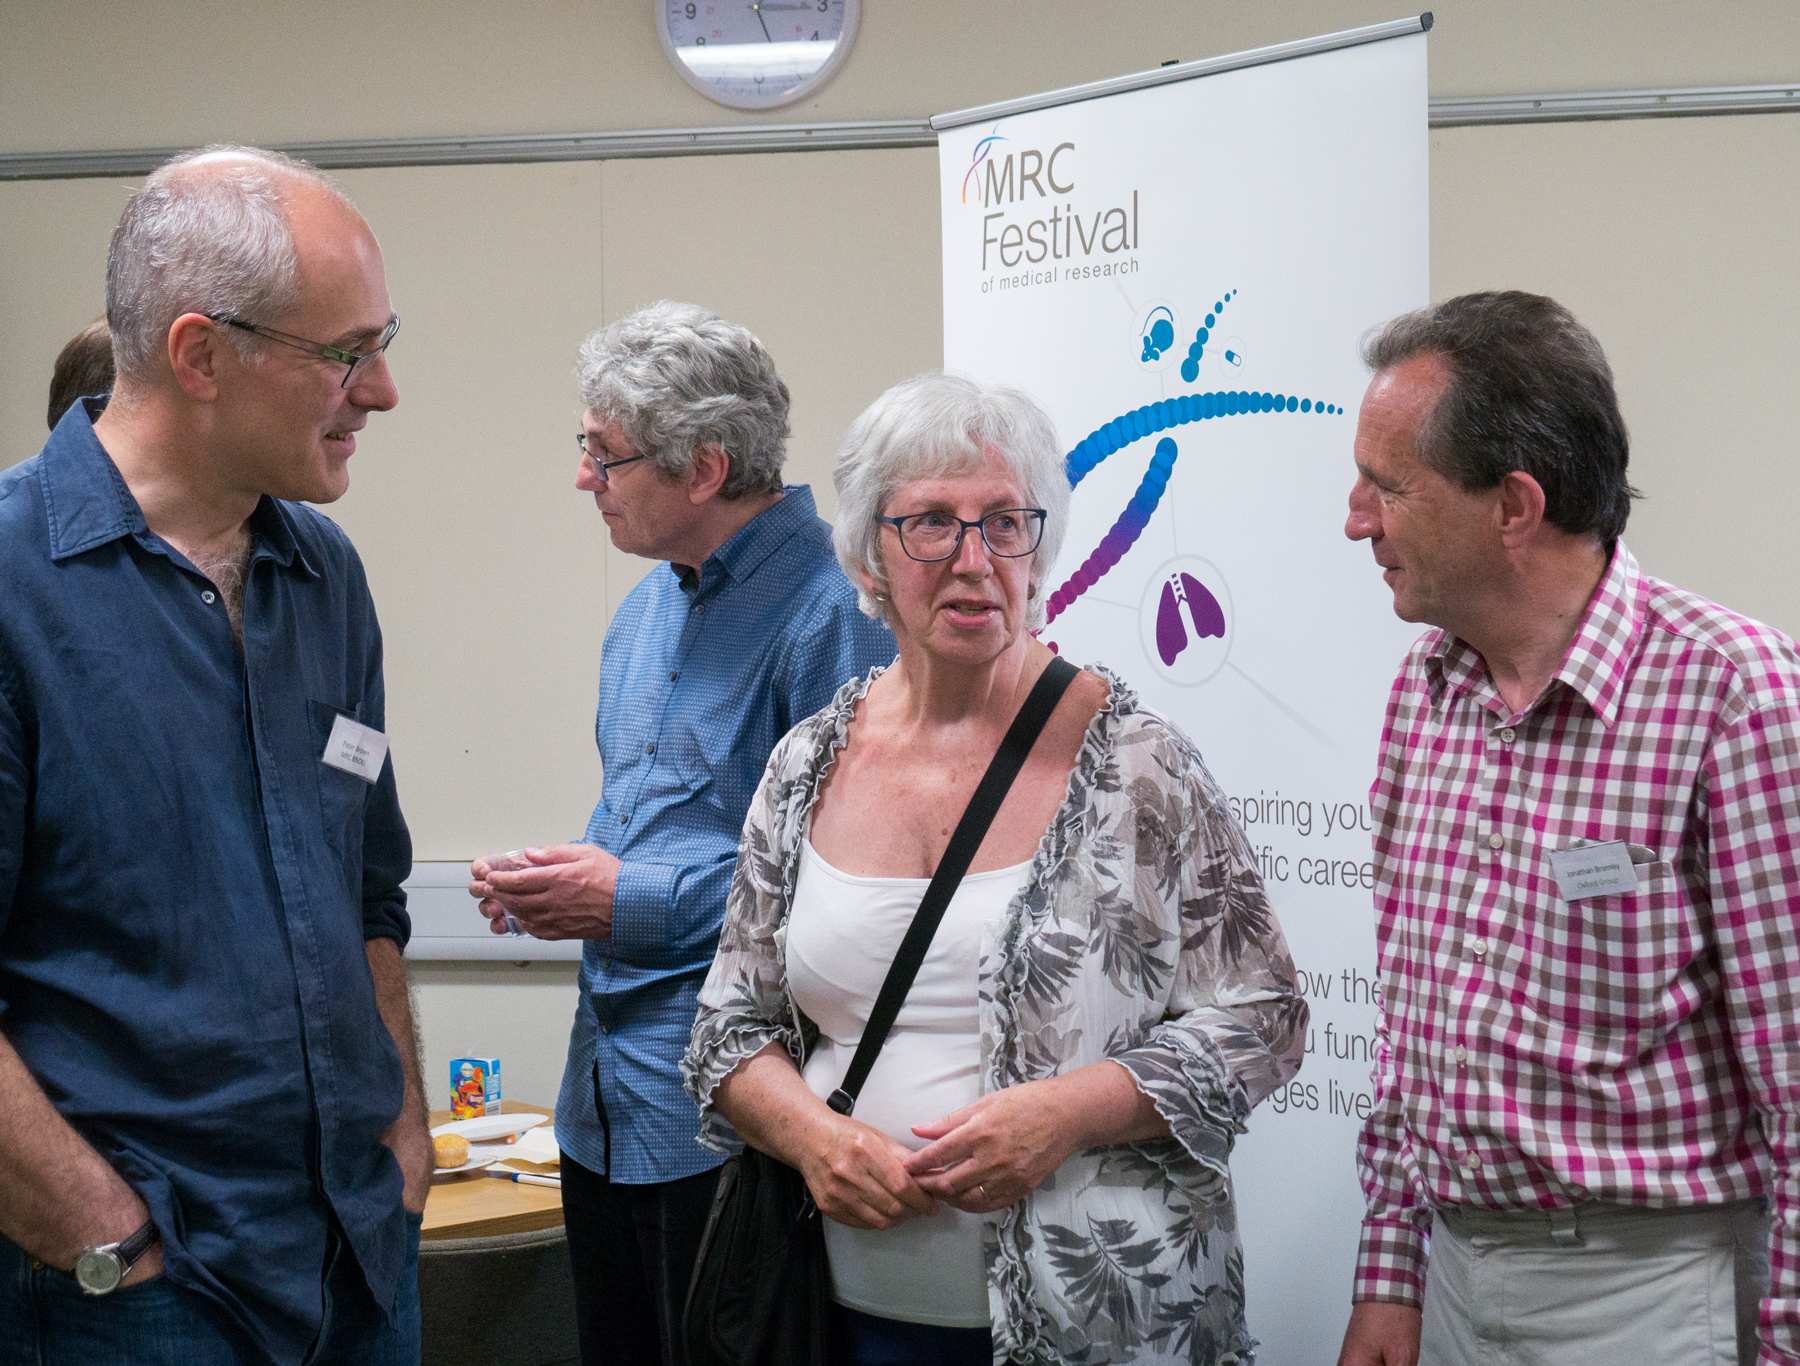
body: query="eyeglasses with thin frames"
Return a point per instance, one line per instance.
(932, 536)
(599, 466)
(353, 361)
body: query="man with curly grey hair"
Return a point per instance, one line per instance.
(747, 628)
(211, 1123)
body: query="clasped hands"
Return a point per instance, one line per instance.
(565, 893)
(982, 1157)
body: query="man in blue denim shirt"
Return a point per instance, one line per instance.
(749, 627)
(211, 1127)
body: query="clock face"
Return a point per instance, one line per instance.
(756, 54)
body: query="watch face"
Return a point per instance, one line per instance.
(98, 1272)
(756, 54)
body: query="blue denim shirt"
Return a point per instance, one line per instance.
(698, 680)
(185, 889)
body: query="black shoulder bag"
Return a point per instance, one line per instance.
(761, 1289)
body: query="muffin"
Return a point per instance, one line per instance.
(452, 1150)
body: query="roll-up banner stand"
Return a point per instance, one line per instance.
(1180, 266)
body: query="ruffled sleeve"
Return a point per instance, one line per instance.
(1236, 1025)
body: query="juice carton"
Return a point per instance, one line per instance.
(474, 1087)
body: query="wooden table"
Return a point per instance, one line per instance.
(478, 1206)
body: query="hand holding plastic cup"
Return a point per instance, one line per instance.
(510, 863)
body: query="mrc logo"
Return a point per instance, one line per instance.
(994, 177)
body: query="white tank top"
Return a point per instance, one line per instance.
(842, 934)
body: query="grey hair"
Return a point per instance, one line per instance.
(932, 426)
(1530, 389)
(206, 233)
(675, 377)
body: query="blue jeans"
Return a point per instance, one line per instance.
(46, 1320)
(868, 1340)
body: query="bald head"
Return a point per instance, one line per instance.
(209, 232)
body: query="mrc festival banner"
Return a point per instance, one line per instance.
(1181, 275)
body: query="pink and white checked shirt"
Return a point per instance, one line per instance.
(1641, 1049)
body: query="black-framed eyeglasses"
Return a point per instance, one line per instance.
(932, 536)
(353, 361)
(599, 466)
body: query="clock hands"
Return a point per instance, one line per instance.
(759, 19)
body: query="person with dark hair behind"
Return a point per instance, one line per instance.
(1587, 1087)
(84, 368)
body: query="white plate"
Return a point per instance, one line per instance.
(475, 1163)
(489, 1127)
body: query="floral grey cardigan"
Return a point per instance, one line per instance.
(1142, 935)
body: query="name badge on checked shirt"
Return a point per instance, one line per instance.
(355, 748)
(1594, 870)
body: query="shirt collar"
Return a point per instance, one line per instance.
(753, 542)
(1598, 657)
(88, 503)
(85, 497)
(272, 529)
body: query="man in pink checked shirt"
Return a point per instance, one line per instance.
(1587, 842)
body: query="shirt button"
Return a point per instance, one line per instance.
(607, 1029)
(700, 608)
(1496, 842)
(624, 820)
(1473, 1162)
(1480, 947)
(673, 676)
(1460, 1053)
(650, 749)
(209, 597)
(1508, 734)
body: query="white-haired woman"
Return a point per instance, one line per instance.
(1107, 995)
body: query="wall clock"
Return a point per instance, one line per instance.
(756, 54)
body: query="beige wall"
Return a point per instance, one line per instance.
(96, 73)
(1674, 239)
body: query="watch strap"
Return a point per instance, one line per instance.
(137, 1244)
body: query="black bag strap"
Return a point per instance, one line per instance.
(958, 854)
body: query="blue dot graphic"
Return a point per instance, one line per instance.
(1129, 427)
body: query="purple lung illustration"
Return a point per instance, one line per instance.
(1202, 608)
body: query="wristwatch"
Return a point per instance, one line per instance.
(98, 1270)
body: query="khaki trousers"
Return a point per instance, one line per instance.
(1598, 1285)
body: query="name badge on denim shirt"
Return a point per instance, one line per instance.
(355, 748)
(1594, 870)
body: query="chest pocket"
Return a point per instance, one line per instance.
(1615, 961)
(341, 795)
